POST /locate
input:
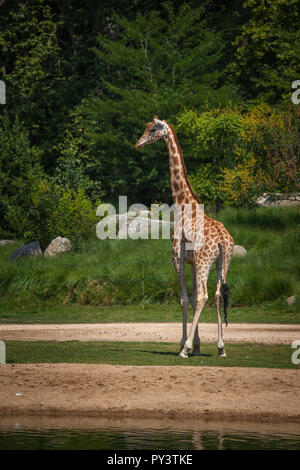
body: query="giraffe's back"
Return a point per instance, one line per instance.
(216, 237)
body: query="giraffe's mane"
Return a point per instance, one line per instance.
(183, 164)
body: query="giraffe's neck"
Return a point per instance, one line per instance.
(182, 192)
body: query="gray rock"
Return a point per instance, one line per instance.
(58, 245)
(135, 225)
(138, 212)
(6, 242)
(277, 199)
(292, 300)
(239, 250)
(141, 227)
(30, 249)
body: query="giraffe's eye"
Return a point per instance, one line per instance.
(153, 130)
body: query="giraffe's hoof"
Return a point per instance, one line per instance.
(183, 354)
(196, 352)
(222, 352)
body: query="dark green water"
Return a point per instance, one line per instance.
(16, 434)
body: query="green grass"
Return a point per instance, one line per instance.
(52, 313)
(148, 354)
(110, 272)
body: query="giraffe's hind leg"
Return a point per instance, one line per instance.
(218, 297)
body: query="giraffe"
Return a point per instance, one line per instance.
(216, 247)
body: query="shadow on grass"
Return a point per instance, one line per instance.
(161, 353)
(175, 354)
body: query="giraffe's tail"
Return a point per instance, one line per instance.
(225, 295)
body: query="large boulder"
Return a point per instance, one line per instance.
(58, 245)
(30, 249)
(239, 250)
(143, 227)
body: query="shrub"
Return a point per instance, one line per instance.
(73, 217)
(243, 155)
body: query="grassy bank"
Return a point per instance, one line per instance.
(51, 312)
(111, 272)
(106, 352)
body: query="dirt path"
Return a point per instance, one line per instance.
(156, 332)
(262, 395)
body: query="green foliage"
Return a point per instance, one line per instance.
(30, 55)
(210, 138)
(267, 54)
(83, 78)
(160, 62)
(238, 155)
(205, 183)
(77, 167)
(45, 211)
(212, 134)
(19, 166)
(34, 206)
(74, 217)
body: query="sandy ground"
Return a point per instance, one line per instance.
(260, 395)
(157, 332)
(158, 392)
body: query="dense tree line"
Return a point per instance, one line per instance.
(83, 78)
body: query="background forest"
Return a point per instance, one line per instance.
(83, 77)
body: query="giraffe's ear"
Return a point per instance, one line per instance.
(159, 124)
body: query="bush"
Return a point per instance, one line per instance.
(239, 156)
(19, 166)
(42, 210)
(73, 217)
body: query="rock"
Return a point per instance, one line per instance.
(143, 227)
(140, 227)
(58, 245)
(30, 249)
(239, 250)
(138, 212)
(134, 225)
(292, 300)
(6, 242)
(277, 199)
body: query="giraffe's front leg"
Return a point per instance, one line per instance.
(201, 300)
(186, 348)
(178, 261)
(184, 301)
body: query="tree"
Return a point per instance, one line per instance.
(268, 50)
(240, 155)
(19, 161)
(159, 62)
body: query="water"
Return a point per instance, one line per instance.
(45, 433)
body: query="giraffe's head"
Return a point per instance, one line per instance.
(154, 131)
